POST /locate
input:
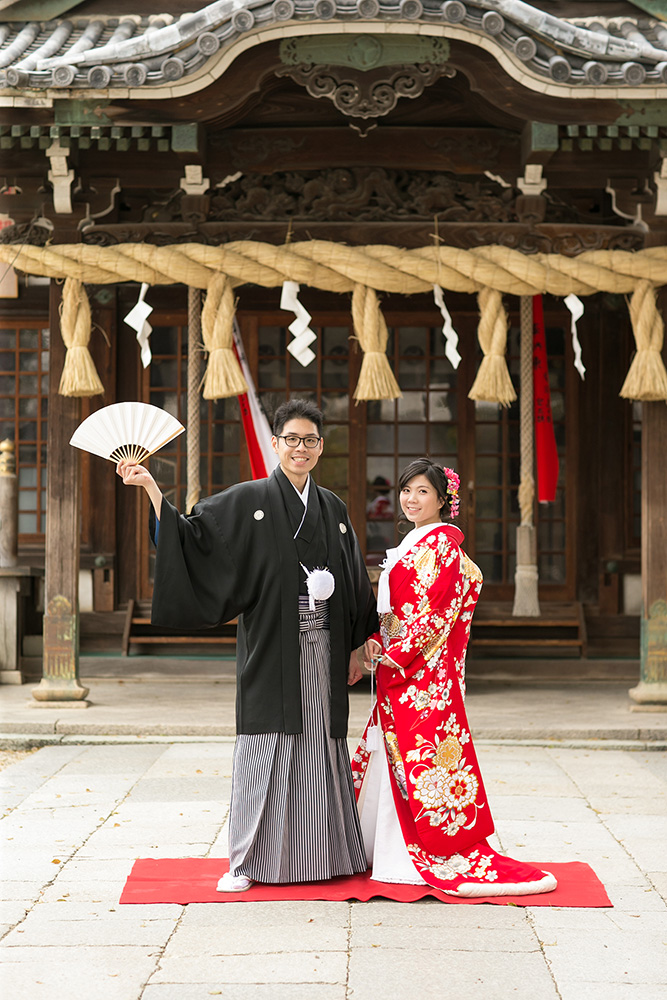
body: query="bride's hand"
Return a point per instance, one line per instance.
(371, 652)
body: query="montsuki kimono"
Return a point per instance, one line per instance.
(234, 555)
(438, 793)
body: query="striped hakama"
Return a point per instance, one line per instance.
(293, 816)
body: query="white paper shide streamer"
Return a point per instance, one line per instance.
(299, 348)
(448, 331)
(137, 318)
(576, 307)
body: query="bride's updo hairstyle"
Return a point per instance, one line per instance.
(436, 477)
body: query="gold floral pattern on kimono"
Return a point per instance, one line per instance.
(438, 788)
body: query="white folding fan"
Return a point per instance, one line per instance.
(130, 431)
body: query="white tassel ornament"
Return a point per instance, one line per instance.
(320, 584)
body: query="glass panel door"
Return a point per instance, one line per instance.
(24, 390)
(496, 513)
(425, 421)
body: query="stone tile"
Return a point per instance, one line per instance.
(22, 779)
(13, 910)
(30, 865)
(525, 771)
(611, 991)
(280, 967)
(474, 975)
(637, 898)
(126, 760)
(644, 838)
(183, 813)
(262, 991)
(548, 921)
(95, 869)
(84, 925)
(21, 890)
(70, 790)
(130, 852)
(182, 788)
(34, 828)
(611, 956)
(561, 809)
(517, 938)
(659, 880)
(609, 772)
(66, 908)
(623, 802)
(76, 973)
(248, 937)
(433, 913)
(127, 832)
(77, 891)
(297, 913)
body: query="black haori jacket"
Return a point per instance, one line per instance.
(234, 555)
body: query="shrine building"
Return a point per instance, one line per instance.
(430, 174)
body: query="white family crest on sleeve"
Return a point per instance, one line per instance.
(258, 515)
(343, 528)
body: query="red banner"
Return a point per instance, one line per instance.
(545, 438)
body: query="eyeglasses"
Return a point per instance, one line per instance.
(292, 440)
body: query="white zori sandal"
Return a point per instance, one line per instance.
(233, 883)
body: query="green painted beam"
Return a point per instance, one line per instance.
(364, 51)
(37, 10)
(656, 8)
(80, 112)
(645, 112)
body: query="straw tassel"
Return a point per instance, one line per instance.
(376, 379)
(647, 378)
(223, 376)
(493, 383)
(79, 376)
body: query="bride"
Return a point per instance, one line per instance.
(424, 811)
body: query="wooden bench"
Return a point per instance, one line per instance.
(561, 625)
(139, 630)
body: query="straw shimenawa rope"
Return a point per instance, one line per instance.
(79, 376)
(338, 268)
(376, 379)
(223, 372)
(647, 378)
(493, 383)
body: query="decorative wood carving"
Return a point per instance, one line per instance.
(546, 238)
(365, 94)
(27, 233)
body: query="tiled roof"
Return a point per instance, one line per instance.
(575, 56)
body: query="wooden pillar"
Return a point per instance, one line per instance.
(60, 670)
(652, 687)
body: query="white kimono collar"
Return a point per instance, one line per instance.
(393, 556)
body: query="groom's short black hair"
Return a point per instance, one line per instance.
(297, 409)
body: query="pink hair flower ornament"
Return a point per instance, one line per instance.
(453, 483)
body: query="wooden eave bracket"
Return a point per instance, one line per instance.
(61, 178)
(194, 181)
(532, 183)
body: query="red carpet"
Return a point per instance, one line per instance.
(193, 880)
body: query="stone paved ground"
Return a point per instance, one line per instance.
(77, 816)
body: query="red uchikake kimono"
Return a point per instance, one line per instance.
(436, 782)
